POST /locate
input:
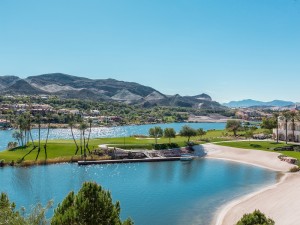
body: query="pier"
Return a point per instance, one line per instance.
(156, 159)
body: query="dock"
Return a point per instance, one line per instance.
(156, 159)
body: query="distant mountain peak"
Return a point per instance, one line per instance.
(250, 103)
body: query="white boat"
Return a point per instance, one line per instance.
(186, 157)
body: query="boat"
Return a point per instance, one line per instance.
(186, 157)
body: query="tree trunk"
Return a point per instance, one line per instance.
(277, 130)
(31, 138)
(39, 145)
(81, 142)
(45, 145)
(87, 144)
(84, 148)
(286, 131)
(293, 129)
(74, 140)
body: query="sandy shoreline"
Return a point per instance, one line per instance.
(279, 201)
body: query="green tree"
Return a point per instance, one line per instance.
(155, 132)
(269, 123)
(255, 218)
(187, 131)
(8, 213)
(249, 134)
(201, 132)
(234, 126)
(169, 133)
(10, 216)
(90, 206)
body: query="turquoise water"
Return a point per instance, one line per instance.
(6, 135)
(150, 193)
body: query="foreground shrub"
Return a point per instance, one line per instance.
(255, 218)
(165, 146)
(10, 216)
(90, 206)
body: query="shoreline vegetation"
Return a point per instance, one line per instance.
(64, 151)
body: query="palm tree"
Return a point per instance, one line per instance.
(21, 125)
(82, 127)
(27, 117)
(90, 121)
(48, 129)
(287, 117)
(71, 125)
(276, 115)
(39, 121)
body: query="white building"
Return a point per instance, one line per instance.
(289, 132)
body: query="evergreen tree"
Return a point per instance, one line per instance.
(90, 206)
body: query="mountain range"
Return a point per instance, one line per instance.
(252, 103)
(73, 87)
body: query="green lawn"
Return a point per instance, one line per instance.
(65, 149)
(261, 145)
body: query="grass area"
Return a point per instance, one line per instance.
(261, 145)
(64, 150)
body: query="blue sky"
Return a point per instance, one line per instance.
(230, 49)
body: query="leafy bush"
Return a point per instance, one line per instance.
(2, 162)
(165, 146)
(255, 218)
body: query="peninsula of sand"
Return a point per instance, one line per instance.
(279, 201)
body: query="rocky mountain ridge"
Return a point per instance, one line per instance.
(68, 86)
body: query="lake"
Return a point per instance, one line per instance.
(157, 193)
(98, 132)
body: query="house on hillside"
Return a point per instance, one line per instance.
(4, 123)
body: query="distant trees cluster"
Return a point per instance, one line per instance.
(186, 131)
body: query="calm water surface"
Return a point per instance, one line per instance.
(150, 193)
(6, 135)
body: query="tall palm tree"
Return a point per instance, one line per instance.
(287, 117)
(39, 121)
(82, 127)
(275, 116)
(21, 124)
(71, 125)
(47, 136)
(90, 121)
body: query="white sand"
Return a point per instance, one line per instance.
(279, 202)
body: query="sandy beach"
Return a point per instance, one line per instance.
(279, 201)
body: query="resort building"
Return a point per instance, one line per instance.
(292, 133)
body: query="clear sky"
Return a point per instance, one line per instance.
(229, 49)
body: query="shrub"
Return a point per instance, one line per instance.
(255, 218)
(294, 169)
(165, 146)
(2, 162)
